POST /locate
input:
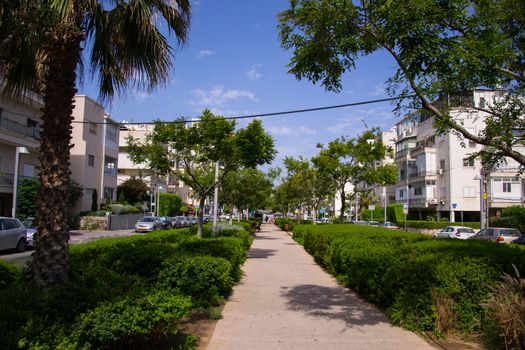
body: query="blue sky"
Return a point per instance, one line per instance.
(233, 64)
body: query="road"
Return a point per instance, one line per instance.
(76, 237)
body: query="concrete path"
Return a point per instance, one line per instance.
(286, 301)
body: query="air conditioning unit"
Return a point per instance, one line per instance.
(441, 171)
(432, 201)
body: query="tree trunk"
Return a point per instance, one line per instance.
(50, 262)
(201, 216)
(343, 204)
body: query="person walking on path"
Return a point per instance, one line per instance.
(286, 301)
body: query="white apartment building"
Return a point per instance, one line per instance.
(94, 156)
(127, 168)
(19, 127)
(436, 177)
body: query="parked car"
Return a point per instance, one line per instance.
(180, 222)
(520, 240)
(12, 234)
(373, 223)
(389, 225)
(166, 222)
(192, 220)
(357, 222)
(497, 234)
(148, 224)
(460, 232)
(30, 232)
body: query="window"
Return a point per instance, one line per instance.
(29, 170)
(111, 133)
(31, 123)
(468, 162)
(482, 102)
(108, 193)
(442, 164)
(92, 128)
(418, 191)
(507, 187)
(401, 193)
(469, 192)
(91, 160)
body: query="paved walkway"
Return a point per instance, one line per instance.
(286, 301)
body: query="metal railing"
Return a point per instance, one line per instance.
(21, 129)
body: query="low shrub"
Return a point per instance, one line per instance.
(206, 279)
(109, 302)
(422, 283)
(229, 248)
(121, 323)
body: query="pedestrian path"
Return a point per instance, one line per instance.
(286, 301)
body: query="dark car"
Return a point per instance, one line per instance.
(166, 222)
(497, 234)
(520, 240)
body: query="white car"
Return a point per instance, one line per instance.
(460, 232)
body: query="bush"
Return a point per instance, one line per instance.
(206, 279)
(8, 274)
(423, 283)
(124, 321)
(394, 213)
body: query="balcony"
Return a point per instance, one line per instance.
(403, 153)
(21, 129)
(423, 174)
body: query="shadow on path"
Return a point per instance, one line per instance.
(270, 238)
(256, 253)
(333, 303)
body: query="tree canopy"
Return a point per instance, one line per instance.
(196, 148)
(440, 48)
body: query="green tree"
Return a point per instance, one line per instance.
(311, 185)
(439, 47)
(133, 190)
(42, 48)
(198, 147)
(355, 161)
(170, 204)
(246, 189)
(28, 193)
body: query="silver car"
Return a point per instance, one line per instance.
(12, 234)
(497, 234)
(460, 232)
(148, 224)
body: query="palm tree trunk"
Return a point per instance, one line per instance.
(50, 262)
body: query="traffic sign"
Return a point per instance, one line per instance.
(371, 207)
(454, 205)
(405, 206)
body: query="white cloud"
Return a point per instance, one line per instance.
(205, 53)
(218, 96)
(284, 130)
(378, 90)
(140, 96)
(254, 72)
(354, 122)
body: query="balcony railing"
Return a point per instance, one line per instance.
(423, 174)
(21, 129)
(402, 153)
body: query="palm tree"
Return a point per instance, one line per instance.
(41, 49)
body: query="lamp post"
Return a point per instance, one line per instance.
(216, 197)
(158, 200)
(19, 150)
(481, 200)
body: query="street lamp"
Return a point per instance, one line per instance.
(158, 199)
(19, 150)
(481, 200)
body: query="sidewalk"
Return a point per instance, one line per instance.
(286, 301)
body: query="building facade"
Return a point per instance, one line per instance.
(20, 121)
(437, 178)
(94, 156)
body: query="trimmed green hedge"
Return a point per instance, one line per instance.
(124, 292)
(416, 279)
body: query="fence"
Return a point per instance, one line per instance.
(123, 221)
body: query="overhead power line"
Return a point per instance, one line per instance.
(272, 114)
(247, 116)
